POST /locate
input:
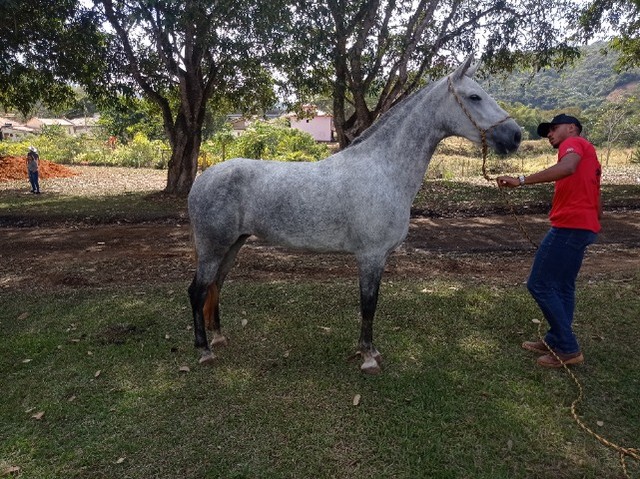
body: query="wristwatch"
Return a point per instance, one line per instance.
(521, 180)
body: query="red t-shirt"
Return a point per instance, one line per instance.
(577, 197)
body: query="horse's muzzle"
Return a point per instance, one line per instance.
(506, 138)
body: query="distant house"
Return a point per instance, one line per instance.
(315, 122)
(85, 125)
(38, 123)
(239, 122)
(10, 129)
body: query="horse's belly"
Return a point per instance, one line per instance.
(319, 242)
(335, 237)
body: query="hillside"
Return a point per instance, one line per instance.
(586, 84)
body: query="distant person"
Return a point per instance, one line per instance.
(33, 165)
(575, 216)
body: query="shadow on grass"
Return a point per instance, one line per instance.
(19, 209)
(435, 199)
(441, 198)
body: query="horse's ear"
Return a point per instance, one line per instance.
(472, 69)
(465, 69)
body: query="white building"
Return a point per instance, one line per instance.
(38, 123)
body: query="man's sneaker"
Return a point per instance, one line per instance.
(535, 346)
(550, 361)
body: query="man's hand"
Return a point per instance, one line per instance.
(508, 182)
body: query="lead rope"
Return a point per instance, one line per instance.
(623, 452)
(485, 149)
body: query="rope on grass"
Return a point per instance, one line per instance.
(623, 452)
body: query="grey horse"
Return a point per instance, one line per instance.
(356, 201)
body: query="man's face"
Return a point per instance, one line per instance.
(558, 133)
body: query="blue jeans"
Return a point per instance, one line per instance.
(552, 282)
(33, 179)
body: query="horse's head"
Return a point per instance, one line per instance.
(473, 114)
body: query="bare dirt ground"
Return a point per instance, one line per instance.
(486, 249)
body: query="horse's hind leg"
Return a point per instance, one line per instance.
(370, 276)
(211, 313)
(212, 304)
(198, 297)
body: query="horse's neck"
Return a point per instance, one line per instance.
(405, 143)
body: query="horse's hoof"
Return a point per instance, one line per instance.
(219, 341)
(207, 359)
(371, 366)
(378, 357)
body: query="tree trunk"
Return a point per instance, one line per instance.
(183, 166)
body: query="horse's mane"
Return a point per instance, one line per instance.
(386, 116)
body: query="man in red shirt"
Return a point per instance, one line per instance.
(575, 222)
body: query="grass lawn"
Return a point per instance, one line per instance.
(457, 398)
(104, 383)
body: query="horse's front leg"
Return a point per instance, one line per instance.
(370, 276)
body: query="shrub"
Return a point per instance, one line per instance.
(217, 148)
(277, 141)
(140, 152)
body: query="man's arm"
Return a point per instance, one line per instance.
(565, 167)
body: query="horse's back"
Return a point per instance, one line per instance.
(256, 195)
(319, 206)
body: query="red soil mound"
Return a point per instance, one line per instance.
(15, 168)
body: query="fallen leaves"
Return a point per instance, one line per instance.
(38, 416)
(356, 400)
(10, 470)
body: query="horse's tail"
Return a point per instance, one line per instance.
(193, 244)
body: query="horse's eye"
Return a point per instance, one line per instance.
(474, 97)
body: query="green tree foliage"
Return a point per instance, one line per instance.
(615, 122)
(181, 54)
(126, 116)
(621, 17)
(586, 84)
(45, 45)
(360, 50)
